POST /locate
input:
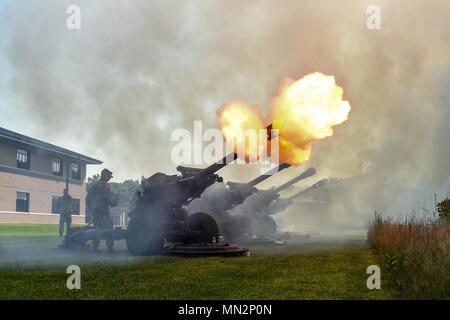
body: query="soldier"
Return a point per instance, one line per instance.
(65, 211)
(98, 202)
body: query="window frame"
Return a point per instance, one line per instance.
(21, 164)
(60, 173)
(78, 174)
(55, 209)
(76, 206)
(24, 204)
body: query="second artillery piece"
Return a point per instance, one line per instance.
(222, 202)
(255, 216)
(249, 218)
(280, 204)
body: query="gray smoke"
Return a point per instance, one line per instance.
(215, 198)
(24, 252)
(137, 70)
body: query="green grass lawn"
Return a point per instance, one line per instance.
(316, 270)
(28, 229)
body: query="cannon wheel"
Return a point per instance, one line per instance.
(203, 222)
(144, 237)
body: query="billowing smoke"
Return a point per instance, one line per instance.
(215, 198)
(137, 70)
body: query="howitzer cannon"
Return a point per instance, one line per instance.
(262, 221)
(281, 204)
(245, 218)
(266, 197)
(238, 192)
(159, 214)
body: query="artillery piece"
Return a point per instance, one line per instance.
(220, 202)
(245, 218)
(280, 204)
(255, 216)
(159, 213)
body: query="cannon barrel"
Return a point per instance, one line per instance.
(313, 187)
(240, 191)
(280, 204)
(311, 171)
(268, 174)
(221, 163)
(266, 197)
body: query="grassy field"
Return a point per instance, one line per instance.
(32, 268)
(28, 229)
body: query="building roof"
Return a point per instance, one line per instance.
(17, 137)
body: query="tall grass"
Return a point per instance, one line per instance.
(414, 255)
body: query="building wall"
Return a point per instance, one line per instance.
(39, 182)
(8, 154)
(40, 160)
(40, 190)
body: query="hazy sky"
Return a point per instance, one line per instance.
(137, 70)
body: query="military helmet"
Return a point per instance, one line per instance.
(106, 172)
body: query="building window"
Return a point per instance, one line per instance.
(76, 171)
(76, 206)
(55, 207)
(57, 167)
(23, 159)
(23, 202)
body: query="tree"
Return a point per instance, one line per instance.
(125, 193)
(444, 209)
(91, 181)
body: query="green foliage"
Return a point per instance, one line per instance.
(393, 266)
(91, 181)
(444, 209)
(393, 262)
(125, 193)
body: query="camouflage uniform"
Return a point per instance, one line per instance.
(65, 212)
(98, 202)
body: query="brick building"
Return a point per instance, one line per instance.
(33, 174)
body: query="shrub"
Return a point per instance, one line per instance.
(444, 209)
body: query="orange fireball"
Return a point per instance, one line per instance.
(240, 124)
(304, 110)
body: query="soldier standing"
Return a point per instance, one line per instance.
(98, 202)
(65, 211)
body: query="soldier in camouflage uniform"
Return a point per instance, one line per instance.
(98, 202)
(65, 211)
